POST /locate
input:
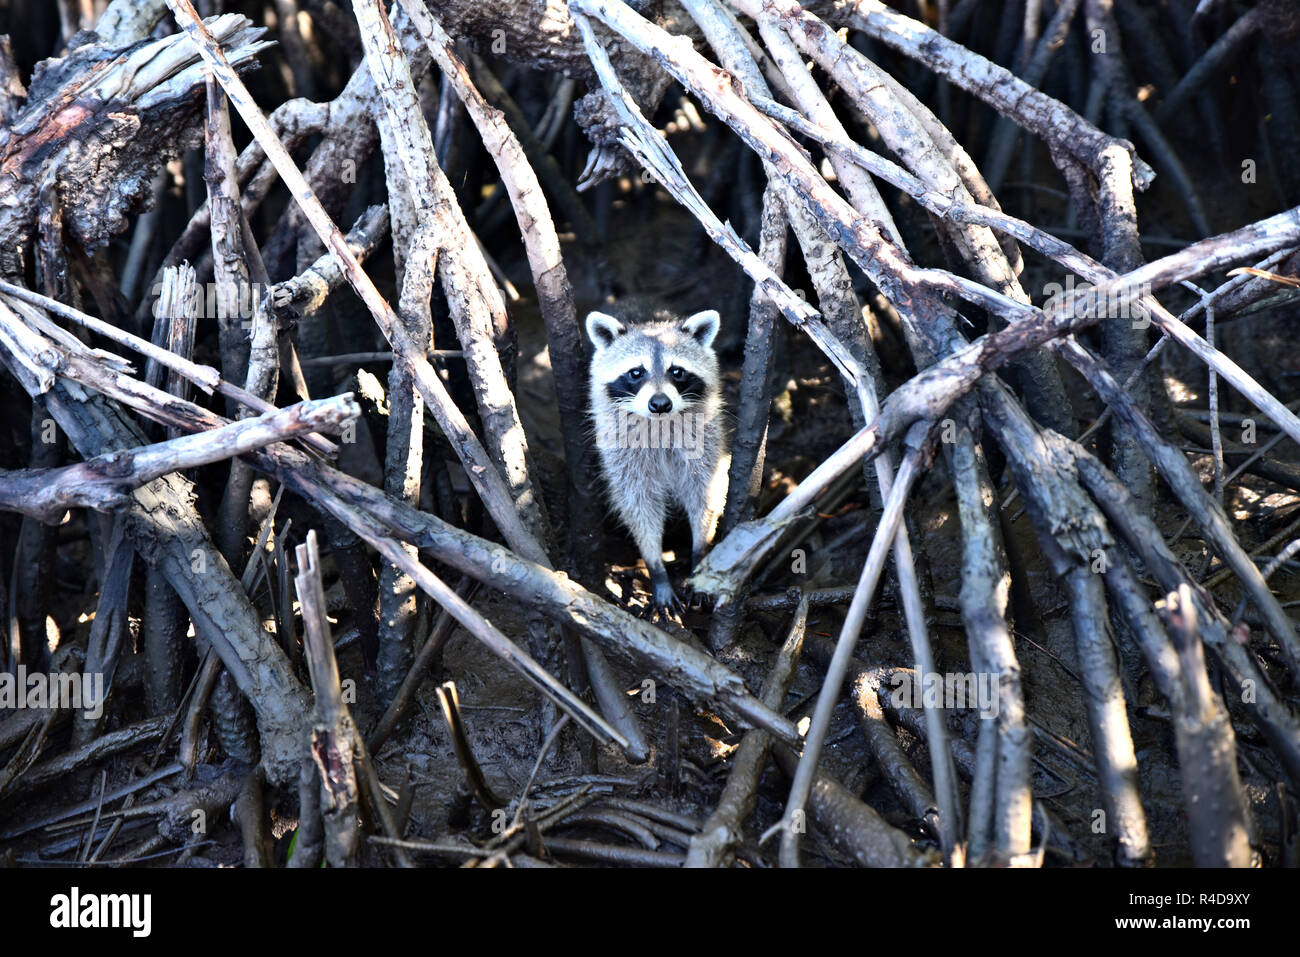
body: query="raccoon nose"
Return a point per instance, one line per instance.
(660, 403)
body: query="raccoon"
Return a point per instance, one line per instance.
(656, 405)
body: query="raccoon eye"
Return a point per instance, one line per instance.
(636, 374)
(677, 373)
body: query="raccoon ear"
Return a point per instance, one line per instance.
(603, 329)
(703, 326)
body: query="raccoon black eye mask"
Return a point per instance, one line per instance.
(689, 385)
(627, 385)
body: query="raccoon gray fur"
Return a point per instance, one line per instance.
(656, 405)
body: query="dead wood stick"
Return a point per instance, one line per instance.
(473, 298)
(715, 843)
(792, 821)
(825, 265)
(404, 450)
(301, 296)
(481, 469)
(1113, 87)
(1147, 630)
(333, 735)
(1142, 309)
(236, 300)
(610, 854)
(613, 628)
(196, 705)
(645, 143)
(309, 839)
(1124, 343)
(188, 708)
(817, 598)
(180, 342)
(554, 293)
(105, 481)
(971, 176)
(749, 444)
(449, 705)
(205, 377)
(1207, 754)
(1216, 435)
(246, 329)
(212, 798)
(1037, 112)
(984, 596)
(472, 621)
(853, 826)
(1112, 738)
(166, 531)
(1270, 712)
(1036, 455)
(416, 250)
(567, 348)
(249, 811)
(106, 745)
(164, 626)
(1183, 480)
(910, 788)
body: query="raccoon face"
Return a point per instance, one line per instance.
(656, 368)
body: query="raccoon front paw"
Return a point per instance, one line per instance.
(695, 600)
(665, 599)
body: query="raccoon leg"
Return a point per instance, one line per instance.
(703, 504)
(646, 522)
(702, 526)
(703, 511)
